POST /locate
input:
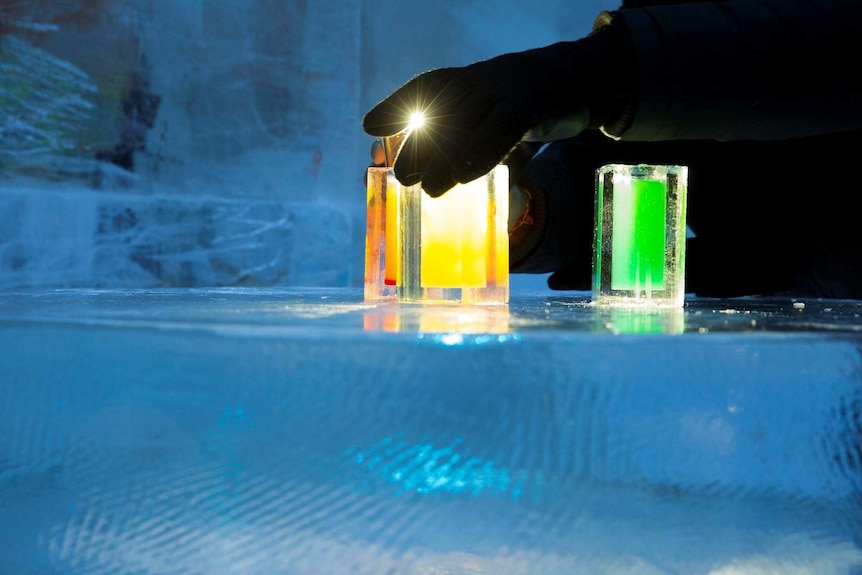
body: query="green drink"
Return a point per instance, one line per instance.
(638, 240)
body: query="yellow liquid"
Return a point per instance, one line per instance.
(455, 237)
(392, 255)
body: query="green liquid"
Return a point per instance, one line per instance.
(638, 237)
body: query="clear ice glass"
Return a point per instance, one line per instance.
(452, 249)
(639, 240)
(380, 235)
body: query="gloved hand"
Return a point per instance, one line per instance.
(474, 115)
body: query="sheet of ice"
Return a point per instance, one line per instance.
(305, 431)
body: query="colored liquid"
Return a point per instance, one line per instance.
(392, 256)
(455, 238)
(638, 237)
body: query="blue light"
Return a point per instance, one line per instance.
(425, 468)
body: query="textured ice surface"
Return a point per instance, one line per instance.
(194, 144)
(67, 236)
(305, 431)
(44, 101)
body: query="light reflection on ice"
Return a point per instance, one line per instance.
(427, 468)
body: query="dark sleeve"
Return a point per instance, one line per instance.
(560, 180)
(744, 69)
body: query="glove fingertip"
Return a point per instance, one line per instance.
(379, 126)
(436, 186)
(392, 114)
(434, 192)
(407, 178)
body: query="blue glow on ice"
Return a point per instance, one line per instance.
(426, 468)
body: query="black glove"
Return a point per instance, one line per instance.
(476, 114)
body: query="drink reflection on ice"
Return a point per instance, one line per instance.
(439, 319)
(651, 320)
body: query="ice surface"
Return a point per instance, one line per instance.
(301, 431)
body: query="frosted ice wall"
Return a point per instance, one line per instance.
(188, 116)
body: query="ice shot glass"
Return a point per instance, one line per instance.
(381, 233)
(639, 239)
(455, 248)
(450, 249)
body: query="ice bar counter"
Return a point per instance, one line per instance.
(307, 431)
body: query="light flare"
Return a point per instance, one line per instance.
(417, 119)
